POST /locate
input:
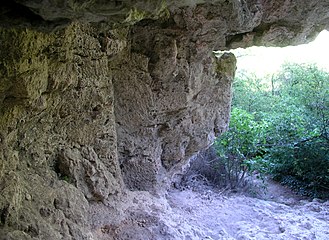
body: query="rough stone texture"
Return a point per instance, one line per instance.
(164, 117)
(58, 138)
(90, 110)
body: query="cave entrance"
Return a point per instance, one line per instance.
(280, 117)
(279, 126)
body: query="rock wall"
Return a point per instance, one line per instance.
(168, 105)
(99, 99)
(58, 136)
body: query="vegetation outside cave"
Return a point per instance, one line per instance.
(279, 128)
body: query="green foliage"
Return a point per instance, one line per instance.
(66, 179)
(308, 86)
(237, 146)
(279, 126)
(250, 93)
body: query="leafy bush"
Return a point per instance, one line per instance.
(305, 157)
(236, 147)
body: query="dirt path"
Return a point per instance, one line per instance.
(278, 215)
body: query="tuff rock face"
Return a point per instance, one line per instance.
(101, 101)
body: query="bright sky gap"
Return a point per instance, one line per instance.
(267, 60)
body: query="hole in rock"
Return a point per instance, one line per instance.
(15, 10)
(4, 214)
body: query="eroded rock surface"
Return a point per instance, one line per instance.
(99, 98)
(58, 137)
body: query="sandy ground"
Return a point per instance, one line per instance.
(200, 211)
(276, 214)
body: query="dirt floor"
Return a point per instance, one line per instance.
(200, 211)
(276, 213)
